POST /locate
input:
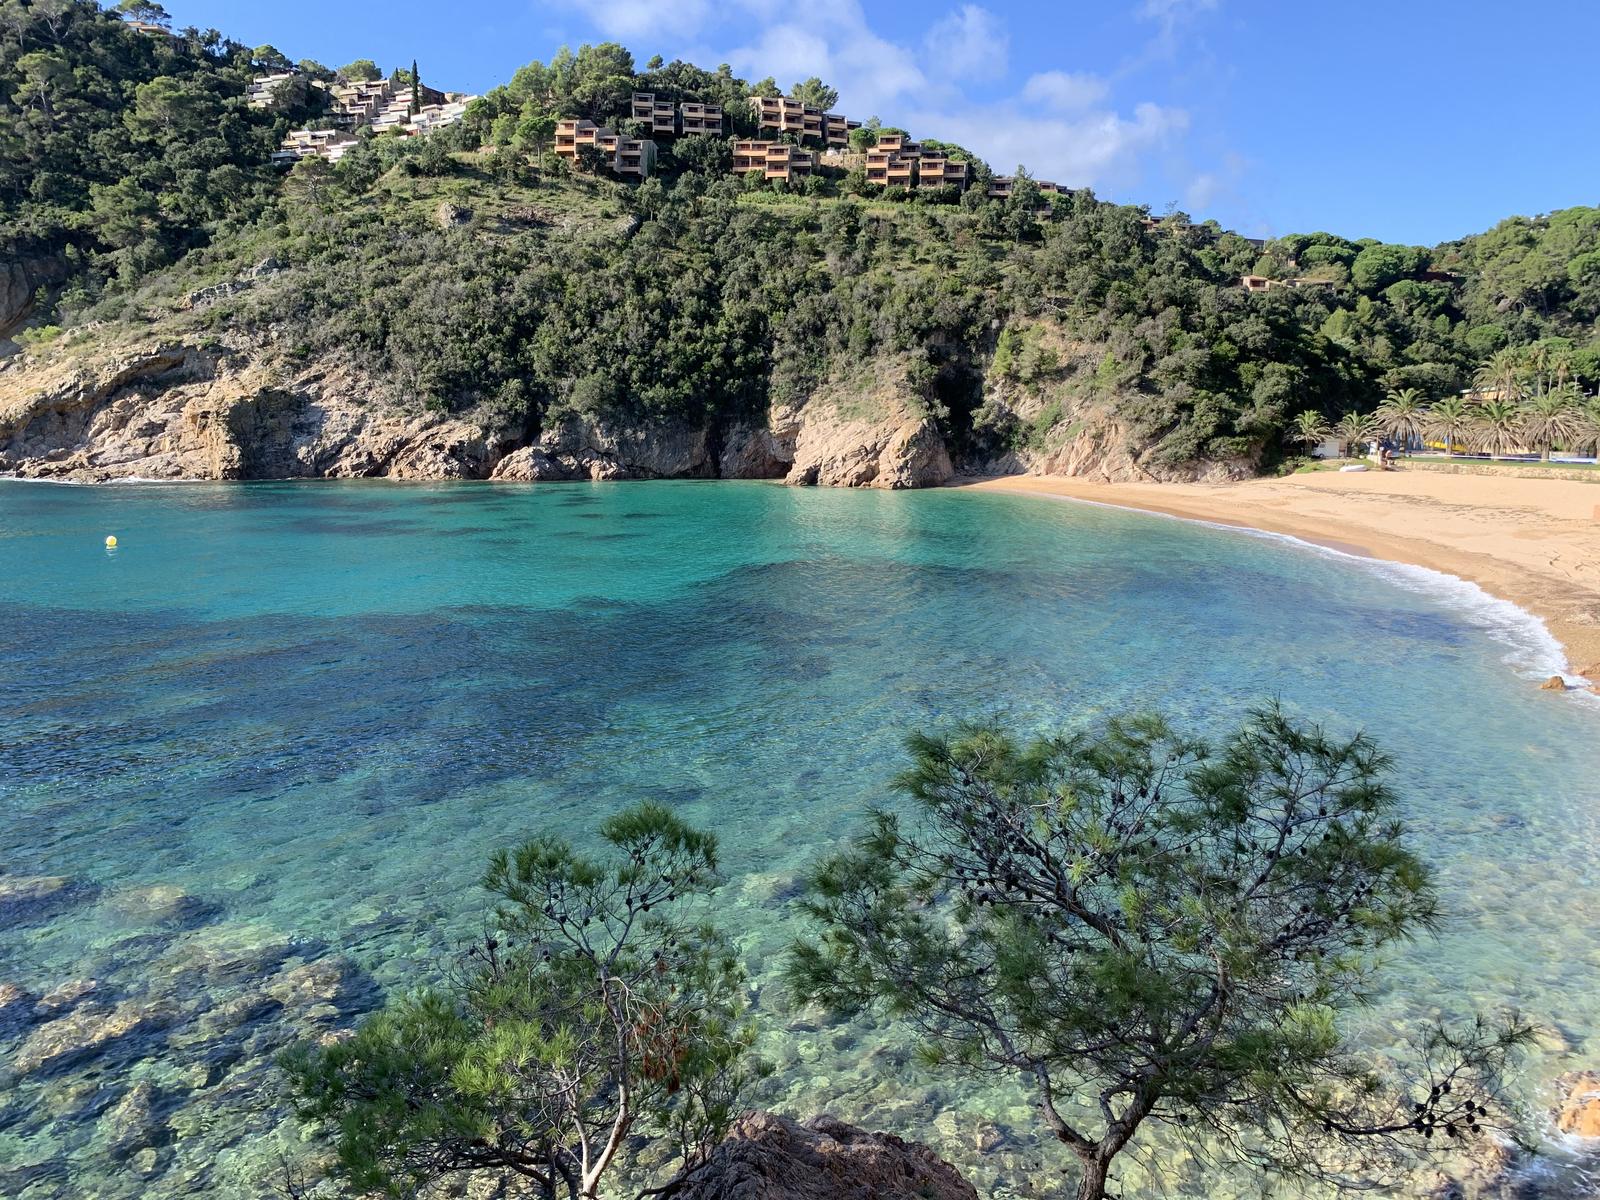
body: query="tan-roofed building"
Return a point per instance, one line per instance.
(780, 114)
(701, 118)
(655, 111)
(836, 129)
(774, 160)
(1001, 187)
(572, 132)
(935, 170)
(634, 157)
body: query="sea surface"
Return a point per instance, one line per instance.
(263, 747)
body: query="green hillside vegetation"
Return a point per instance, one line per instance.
(702, 296)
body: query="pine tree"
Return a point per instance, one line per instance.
(416, 89)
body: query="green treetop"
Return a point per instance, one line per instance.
(815, 93)
(595, 1017)
(1146, 928)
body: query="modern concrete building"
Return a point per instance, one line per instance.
(630, 157)
(331, 144)
(572, 132)
(1001, 186)
(700, 118)
(656, 112)
(634, 158)
(935, 170)
(779, 114)
(774, 160)
(836, 129)
(264, 88)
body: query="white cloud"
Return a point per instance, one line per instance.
(1061, 124)
(1064, 91)
(1095, 148)
(626, 20)
(969, 43)
(837, 45)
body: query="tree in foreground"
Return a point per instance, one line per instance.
(1146, 929)
(596, 1014)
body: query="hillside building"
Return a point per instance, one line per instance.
(780, 114)
(775, 160)
(700, 118)
(1001, 187)
(935, 170)
(656, 112)
(631, 158)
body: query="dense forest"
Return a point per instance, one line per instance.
(135, 160)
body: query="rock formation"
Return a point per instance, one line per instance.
(1579, 1111)
(768, 1157)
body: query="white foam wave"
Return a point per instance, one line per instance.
(1532, 651)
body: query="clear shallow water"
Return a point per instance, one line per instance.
(316, 708)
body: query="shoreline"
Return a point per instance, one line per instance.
(1532, 549)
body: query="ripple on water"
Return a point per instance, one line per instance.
(265, 748)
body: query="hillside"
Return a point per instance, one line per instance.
(430, 306)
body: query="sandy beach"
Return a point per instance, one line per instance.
(1534, 542)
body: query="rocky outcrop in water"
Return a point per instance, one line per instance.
(768, 1157)
(1579, 1110)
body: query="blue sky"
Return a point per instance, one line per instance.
(1407, 120)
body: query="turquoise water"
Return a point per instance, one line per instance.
(315, 708)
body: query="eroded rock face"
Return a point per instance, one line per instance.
(1579, 1113)
(581, 448)
(20, 277)
(768, 1157)
(892, 447)
(177, 413)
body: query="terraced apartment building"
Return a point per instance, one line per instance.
(632, 158)
(780, 114)
(775, 160)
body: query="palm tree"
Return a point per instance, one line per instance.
(1552, 417)
(1351, 428)
(1502, 373)
(1589, 435)
(1403, 416)
(1497, 427)
(1450, 419)
(1308, 429)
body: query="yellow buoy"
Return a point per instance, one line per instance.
(111, 542)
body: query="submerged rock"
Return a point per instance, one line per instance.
(1579, 1111)
(33, 897)
(318, 984)
(131, 1124)
(16, 1006)
(85, 1032)
(1554, 684)
(768, 1157)
(58, 1000)
(222, 954)
(162, 904)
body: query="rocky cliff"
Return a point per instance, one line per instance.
(174, 411)
(184, 410)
